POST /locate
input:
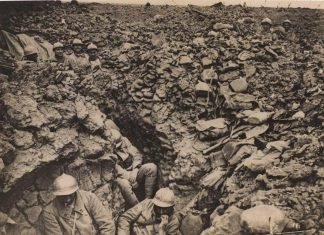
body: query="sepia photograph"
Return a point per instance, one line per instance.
(162, 117)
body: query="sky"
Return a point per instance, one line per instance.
(254, 3)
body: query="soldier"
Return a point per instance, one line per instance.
(266, 24)
(94, 59)
(59, 56)
(131, 174)
(290, 34)
(287, 25)
(151, 217)
(78, 60)
(74, 211)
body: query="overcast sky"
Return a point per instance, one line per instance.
(266, 3)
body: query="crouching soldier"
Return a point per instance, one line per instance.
(151, 217)
(74, 211)
(131, 174)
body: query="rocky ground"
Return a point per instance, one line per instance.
(228, 118)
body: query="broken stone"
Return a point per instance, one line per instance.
(246, 55)
(65, 141)
(22, 111)
(229, 76)
(298, 171)
(276, 172)
(185, 60)
(95, 119)
(279, 145)
(259, 161)
(81, 109)
(255, 116)
(33, 214)
(209, 76)
(299, 115)
(220, 26)
(202, 89)
(239, 85)
(206, 61)
(25, 163)
(23, 139)
(214, 128)
(7, 154)
(91, 146)
(249, 70)
(199, 42)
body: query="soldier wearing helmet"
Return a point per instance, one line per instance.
(152, 216)
(266, 24)
(94, 59)
(30, 54)
(287, 25)
(133, 177)
(75, 211)
(78, 60)
(59, 56)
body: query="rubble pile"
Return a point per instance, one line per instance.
(48, 128)
(222, 108)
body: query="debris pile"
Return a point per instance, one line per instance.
(222, 108)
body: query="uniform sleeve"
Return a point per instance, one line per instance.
(51, 225)
(103, 217)
(133, 151)
(3, 218)
(173, 226)
(128, 218)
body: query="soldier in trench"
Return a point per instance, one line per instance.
(94, 59)
(78, 60)
(151, 217)
(131, 174)
(59, 56)
(75, 211)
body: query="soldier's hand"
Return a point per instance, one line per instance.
(164, 222)
(133, 175)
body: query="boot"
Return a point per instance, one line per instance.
(149, 185)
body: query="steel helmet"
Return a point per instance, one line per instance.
(287, 22)
(266, 21)
(57, 45)
(164, 197)
(65, 185)
(77, 42)
(30, 50)
(92, 46)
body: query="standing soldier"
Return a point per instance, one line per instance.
(131, 174)
(151, 217)
(94, 59)
(75, 212)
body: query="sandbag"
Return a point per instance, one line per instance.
(191, 224)
(226, 224)
(263, 219)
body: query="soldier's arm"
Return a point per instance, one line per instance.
(128, 218)
(51, 225)
(133, 151)
(102, 216)
(173, 226)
